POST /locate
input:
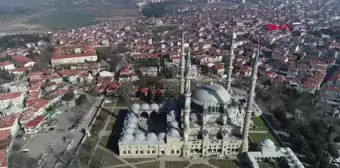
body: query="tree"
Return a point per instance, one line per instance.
(124, 91)
(149, 95)
(332, 149)
(78, 80)
(21, 160)
(170, 71)
(68, 96)
(337, 139)
(66, 79)
(81, 99)
(159, 96)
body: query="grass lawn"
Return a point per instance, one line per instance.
(257, 137)
(107, 158)
(127, 103)
(259, 124)
(136, 160)
(104, 140)
(268, 164)
(124, 167)
(224, 163)
(109, 126)
(108, 106)
(201, 166)
(148, 165)
(176, 164)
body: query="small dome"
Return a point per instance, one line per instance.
(267, 143)
(130, 125)
(173, 124)
(174, 132)
(127, 137)
(132, 120)
(193, 117)
(128, 130)
(135, 107)
(132, 114)
(154, 107)
(145, 106)
(171, 113)
(151, 136)
(161, 136)
(140, 137)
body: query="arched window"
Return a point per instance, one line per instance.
(144, 115)
(153, 115)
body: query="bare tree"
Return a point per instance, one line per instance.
(124, 90)
(21, 160)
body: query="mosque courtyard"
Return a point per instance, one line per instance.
(106, 148)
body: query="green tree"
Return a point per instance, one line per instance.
(68, 96)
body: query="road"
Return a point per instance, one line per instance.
(78, 134)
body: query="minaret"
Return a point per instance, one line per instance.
(231, 60)
(250, 102)
(187, 109)
(182, 65)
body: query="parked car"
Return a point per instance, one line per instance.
(73, 127)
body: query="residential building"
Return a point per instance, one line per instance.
(11, 99)
(74, 55)
(34, 126)
(7, 65)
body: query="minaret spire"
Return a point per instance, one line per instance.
(250, 102)
(182, 65)
(231, 60)
(187, 108)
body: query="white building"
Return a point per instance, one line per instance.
(11, 99)
(216, 121)
(268, 152)
(7, 65)
(78, 55)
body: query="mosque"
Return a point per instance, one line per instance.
(211, 121)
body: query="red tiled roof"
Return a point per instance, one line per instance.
(22, 69)
(35, 122)
(22, 59)
(5, 63)
(4, 134)
(7, 121)
(3, 158)
(13, 95)
(60, 52)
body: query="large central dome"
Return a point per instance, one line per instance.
(211, 94)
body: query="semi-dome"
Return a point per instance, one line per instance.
(126, 137)
(140, 137)
(267, 143)
(174, 132)
(154, 107)
(131, 125)
(211, 94)
(173, 124)
(151, 136)
(135, 107)
(193, 117)
(161, 136)
(128, 130)
(145, 106)
(132, 120)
